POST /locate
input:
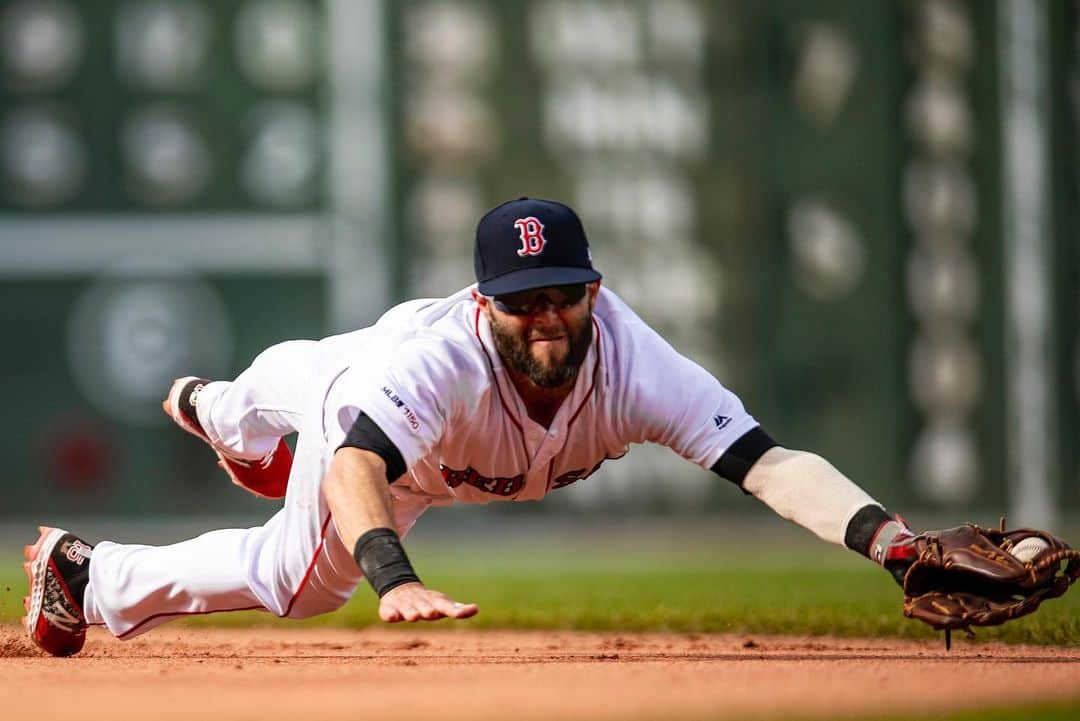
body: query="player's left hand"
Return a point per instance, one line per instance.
(972, 576)
(417, 602)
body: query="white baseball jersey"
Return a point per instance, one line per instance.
(439, 391)
(428, 375)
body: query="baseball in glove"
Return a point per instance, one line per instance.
(972, 576)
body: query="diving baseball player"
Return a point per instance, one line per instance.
(507, 390)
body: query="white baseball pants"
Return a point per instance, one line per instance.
(293, 566)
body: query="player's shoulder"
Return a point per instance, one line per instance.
(424, 346)
(638, 361)
(447, 313)
(427, 329)
(624, 330)
(433, 333)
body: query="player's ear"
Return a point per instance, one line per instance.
(481, 301)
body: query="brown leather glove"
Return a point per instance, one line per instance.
(971, 576)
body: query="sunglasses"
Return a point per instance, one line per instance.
(527, 302)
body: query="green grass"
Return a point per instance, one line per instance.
(1058, 711)
(774, 592)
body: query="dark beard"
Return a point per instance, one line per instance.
(515, 354)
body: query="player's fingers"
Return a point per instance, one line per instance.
(421, 603)
(410, 613)
(465, 610)
(452, 609)
(416, 604)
(389, 612)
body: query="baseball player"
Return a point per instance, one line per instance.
(508, 390)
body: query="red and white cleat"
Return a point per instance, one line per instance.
(267, 477)
(57, 569)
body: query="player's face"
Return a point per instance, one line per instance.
(544, 334)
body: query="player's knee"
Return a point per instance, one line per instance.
(294, 355)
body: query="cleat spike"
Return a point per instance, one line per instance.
(948, 639)
(26, 603)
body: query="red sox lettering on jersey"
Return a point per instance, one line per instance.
(497, 486)
(532, 236)
(510, 486)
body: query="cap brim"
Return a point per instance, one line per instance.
(529, 278)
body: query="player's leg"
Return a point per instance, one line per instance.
(294, 566)
(244, 420)
(134, 588)
(246, 417)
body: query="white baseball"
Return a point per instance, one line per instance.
(1029, 548)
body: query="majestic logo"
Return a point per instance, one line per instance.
(499, 486)
(410, 417)
(531, 231)
(721, 421)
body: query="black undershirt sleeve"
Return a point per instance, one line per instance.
(366, 435)
(743, 454)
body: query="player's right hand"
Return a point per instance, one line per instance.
(417, 602)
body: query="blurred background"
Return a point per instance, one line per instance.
(860, 215)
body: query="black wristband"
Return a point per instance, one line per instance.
(862, 527)
(380, 556)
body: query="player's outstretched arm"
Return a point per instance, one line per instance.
(805, 488)
(356, 490)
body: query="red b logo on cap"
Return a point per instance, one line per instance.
(532, 236)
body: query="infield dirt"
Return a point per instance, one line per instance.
(422, 673)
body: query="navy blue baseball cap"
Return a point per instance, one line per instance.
(531, 243)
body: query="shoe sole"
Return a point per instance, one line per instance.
(36, 566)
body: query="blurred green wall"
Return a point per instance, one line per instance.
(753, 177)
